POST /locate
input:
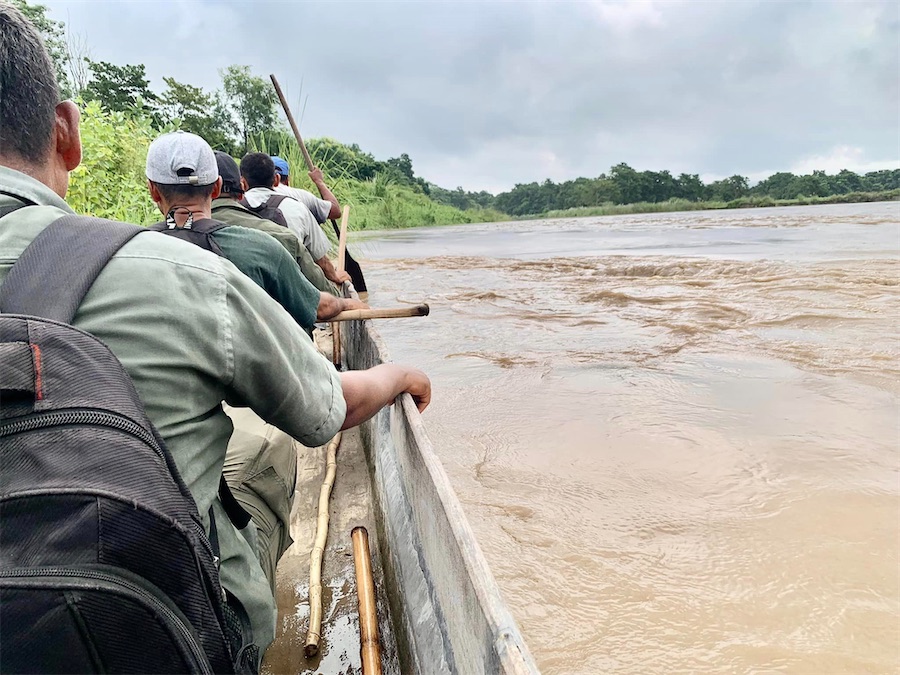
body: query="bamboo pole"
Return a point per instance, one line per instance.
(290, 118)
(391, 313)
(353, 268)
(369, 647)
(314, 634)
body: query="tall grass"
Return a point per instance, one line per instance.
(377, 204)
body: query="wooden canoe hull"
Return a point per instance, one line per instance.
(448, 614)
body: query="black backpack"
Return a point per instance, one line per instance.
(268, 209)
(199, 232)
(104, 563)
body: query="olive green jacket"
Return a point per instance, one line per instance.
(227, 210)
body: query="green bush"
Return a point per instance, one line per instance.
(110, 182)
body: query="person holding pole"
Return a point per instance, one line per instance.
(227, 208)
(322, 209)
(258, 182)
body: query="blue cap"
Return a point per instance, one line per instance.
(281, 167)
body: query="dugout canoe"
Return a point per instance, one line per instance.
(439, 607)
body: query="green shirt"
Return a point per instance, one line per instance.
(227, 210)
(261, 258)
(192, 331)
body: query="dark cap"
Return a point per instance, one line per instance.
(228, 171)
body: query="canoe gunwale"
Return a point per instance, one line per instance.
(477, 632)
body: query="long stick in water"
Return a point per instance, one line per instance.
(342, 250)
(369, 647)
(352, 267)
(314, 634)
(391, 313)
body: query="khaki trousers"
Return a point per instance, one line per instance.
(261, 470)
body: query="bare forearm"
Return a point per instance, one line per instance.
(330, 306)
(330, 272)
(368, 391)
(328, 196)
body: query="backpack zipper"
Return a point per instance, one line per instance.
(81, 578)
(80, 417)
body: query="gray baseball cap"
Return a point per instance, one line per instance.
(181, 158)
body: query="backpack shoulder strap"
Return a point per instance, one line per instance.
(274, 201)
(253, 209)
(208, 226)
(54, 273)
(239, 206)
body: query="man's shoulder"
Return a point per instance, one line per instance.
(295, 193)
(246, 242)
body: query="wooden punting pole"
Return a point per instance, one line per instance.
(314, 634)
(374, 313)
(369, 647)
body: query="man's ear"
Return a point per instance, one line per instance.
(217, 190)
(244, 185)
(277, 180)
(154, 192)
(68, 138)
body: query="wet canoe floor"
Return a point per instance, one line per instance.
(351, 505)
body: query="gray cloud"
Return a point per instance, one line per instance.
(489, 94)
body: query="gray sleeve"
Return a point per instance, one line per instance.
(306, 228)
(320, 208)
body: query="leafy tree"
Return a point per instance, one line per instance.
(124, 89)
(628, 183)
(689, 186)
(845, 181)
(778, 186)
(252, 102)
(728, 189)
(53, 33)
(198, 112)
(886, 179)
(402, 166)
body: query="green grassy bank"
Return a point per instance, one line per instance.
(673, 205)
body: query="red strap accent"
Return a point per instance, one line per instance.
(38, 384)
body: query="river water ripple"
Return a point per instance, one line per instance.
(675, 435)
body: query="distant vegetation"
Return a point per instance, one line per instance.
(122, 114)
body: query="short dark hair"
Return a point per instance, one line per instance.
(258, 169)
(172, 193)
(28, 89)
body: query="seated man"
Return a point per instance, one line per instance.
(258, 181)
(322, 209)
(190, 330)
(227, 208)
(183, 178)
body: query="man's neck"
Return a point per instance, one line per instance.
(199, 210)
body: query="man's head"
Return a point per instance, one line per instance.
(38, 133)
(257, 170)
(281, 169)
(182, 172)
(230, 175)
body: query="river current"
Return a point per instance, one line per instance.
(676, 436)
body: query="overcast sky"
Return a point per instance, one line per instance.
(485, 95)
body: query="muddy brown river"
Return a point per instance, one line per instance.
(676, 436)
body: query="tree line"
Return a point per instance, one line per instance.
(625, 185)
